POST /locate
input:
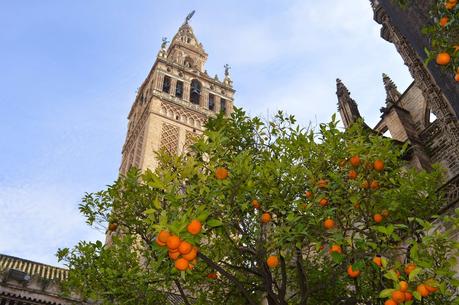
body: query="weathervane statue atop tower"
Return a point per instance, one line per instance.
(190, 15)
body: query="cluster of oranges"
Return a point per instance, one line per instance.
(182, 252)
(444, 58)
(355, 161)
(402, 293)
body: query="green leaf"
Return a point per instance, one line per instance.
(157, 203)
(391, 275)
(386, 293)
(337, 257)
(150, 211)
(414, 274)
(203, 216)
(417, 296)
(214, 223)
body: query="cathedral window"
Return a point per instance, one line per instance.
(223, 105)
(179, 89)
(166, 84)
(211, 102)
(195, 91)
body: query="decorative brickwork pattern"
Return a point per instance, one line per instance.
(169, 138)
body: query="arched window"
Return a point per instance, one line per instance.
(195, 91)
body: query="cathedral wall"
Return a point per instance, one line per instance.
(397, 132)
(413, 101)
(440, 148)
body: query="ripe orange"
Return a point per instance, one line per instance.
(173, 242)
(266, 217)
(378, 165)
(160, 243)
(352, 273)
(181, 264)
(374, 185)
(352, 174)
(329, 224)
(255, 204)
(450, 5)
(377, 260)
(272, 261)
(443, 21)
(403, 286)
(163, 236)
(221, 173)
(456, 77)
(390, 302)
(355, 161)
(377, 218)
(323, 202)
(443, 58)
(174, 255)
(398, 296)
(422, 290)
(365, 184)
(191, 255)
(336, 249)
(194, 227)
(308, 194)
(212, 276)
(322, 183)
(112, 226)
(410, 267)
(385, 213)
(408, 296)
(185, 247)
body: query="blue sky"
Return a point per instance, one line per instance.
(70, 70)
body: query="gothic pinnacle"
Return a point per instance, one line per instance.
(391, 90)
(341, 88)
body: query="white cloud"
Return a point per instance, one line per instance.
(39, 218)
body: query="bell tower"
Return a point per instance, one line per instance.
(174, 101)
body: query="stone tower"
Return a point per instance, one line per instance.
(174, 101)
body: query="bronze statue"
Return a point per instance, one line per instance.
(189, 16)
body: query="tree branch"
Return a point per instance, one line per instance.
(228, 275)
(182, 293)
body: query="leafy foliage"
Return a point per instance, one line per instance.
(274, 162)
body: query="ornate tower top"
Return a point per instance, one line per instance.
(392, 93)
(174, 101)
(185, 48)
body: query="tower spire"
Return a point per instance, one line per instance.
(347, 107)
(392, 93)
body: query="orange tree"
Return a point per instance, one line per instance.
(270, 211)
(443, 34)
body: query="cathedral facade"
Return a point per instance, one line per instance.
(423, 115)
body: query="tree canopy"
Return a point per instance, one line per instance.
(266, 210)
